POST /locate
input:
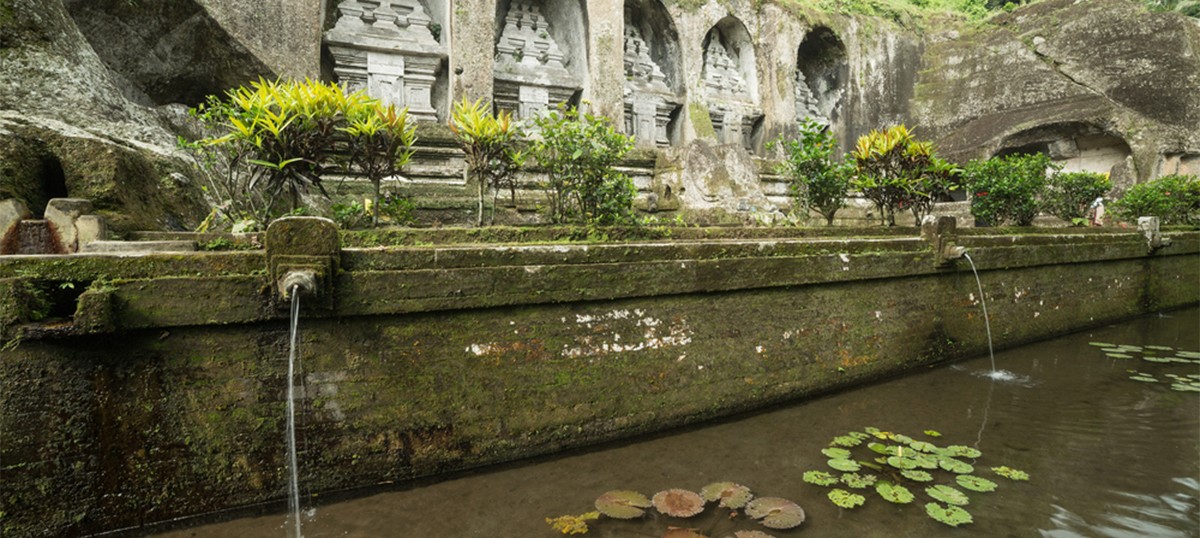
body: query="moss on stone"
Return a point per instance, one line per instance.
(701, 121)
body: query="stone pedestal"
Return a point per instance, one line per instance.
(530, 69)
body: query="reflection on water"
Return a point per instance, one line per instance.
(1108, 456)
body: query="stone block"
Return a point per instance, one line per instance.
(89, 229)
(62, 214)
(12, 211)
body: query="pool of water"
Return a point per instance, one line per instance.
(1107, 456)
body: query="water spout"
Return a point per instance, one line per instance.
(295, 278)
(995, 374)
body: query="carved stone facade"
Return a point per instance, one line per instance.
(388, 47)
(649, 102)
(531, 73)
(806, 103)
(731, 104)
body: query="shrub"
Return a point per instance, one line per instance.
(379, 145)
(816, 180)
(1069, 195)
(579, 153)
(1007, 189)
(488, 141)
(1174, 198)
(894, 170)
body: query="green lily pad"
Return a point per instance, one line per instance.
(901, 438)
(917, 475)
(1136, 349)
(622, 504)
(886, 450)
(836, 453)
(923, 446)
(947, 494)
(859, 435)
(775, 513)
(848, 466)
(1181, 387)
(730, 495)
(1157, 359)
(1010, 473)
(933, 433)
(858, 481)
(902, 462)
(950, 515)
(1122, 356)
(845, 499)
(871, 430)
(894, 493)
(956, 466)
(925, 461)
(1143, 378)
(820, 478)
(1160, 348)
(1188, 354)
(961, 451)
(1101, 344)
(845, 441)
(975, 483)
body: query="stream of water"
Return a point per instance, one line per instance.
(293, 466)
(1107, 455)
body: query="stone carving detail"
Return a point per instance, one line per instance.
(806, 102)
(531, 70)
(649, 102)
(388, 48)
(730, 104)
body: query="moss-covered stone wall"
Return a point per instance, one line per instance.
(420, 369)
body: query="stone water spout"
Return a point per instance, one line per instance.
(942, 234)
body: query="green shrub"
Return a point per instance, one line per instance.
(579, 153)
(816, 180)
(1069, 195)
(1174, 198)
(379, 144)
(896, 171)
(488, 140)
(1007, 189)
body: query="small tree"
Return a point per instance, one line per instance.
(817, 181)
(489, 144)
(1069, 195)
(894, 170)
(379, 145)
(579, 154)
(1174, 198)
(1008, 188)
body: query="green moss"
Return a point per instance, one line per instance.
(701, 121)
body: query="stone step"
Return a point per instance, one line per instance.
(138, 247)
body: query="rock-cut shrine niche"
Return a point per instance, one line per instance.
(730, 83)
(540, 54)
(1077, 147)
(392, 48)
(652, 93)
(821, 72)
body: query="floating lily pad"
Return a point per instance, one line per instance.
(1122, 356)
(678, 532)
(894, 493)
(1143, 378)
(902, 462)
(963, 451)
(947, 494)
(751, 534)
(845, 499)
(678, 502)
(1160, 348)
(820, 478)
(622, 504)
(1188, 354)
(1182, 387)
(836, 453)
(886, 450)
(900, 438)
(871, 430)
(845, 441)
(975, 483)
(1136, 349)
(1101, 344)
(956, 466)
(917, 475)
(923, 446)
(1010, 473)
(858, 481)
(731, 495)
(859, 435)
(1157, 359)
(933, 433)
(1111, 349)
(950, 515)
(848, 466)
(925, 461)
(776, 513)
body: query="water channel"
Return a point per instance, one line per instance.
(1107, 455)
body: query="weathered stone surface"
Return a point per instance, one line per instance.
(12, 211)
(62, 214)
(89, 229)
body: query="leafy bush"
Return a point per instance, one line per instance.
(488, 141)
(1069, 195)
(817, 181)
(1007, 189)
(579, 153)
(1174, 198)
(379, 145)
(894, 170)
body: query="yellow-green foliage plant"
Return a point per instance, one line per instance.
(380, 144)
(489, 142)
(896, 171)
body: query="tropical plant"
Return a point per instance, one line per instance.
(1069, 195)
(900, 468)
(816, 180)
(727, 498)
(379, 144)
(489, 142)
(1174, 198)
(1007, 189)
(579, 153)
(895, 171)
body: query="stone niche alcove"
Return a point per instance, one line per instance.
(1077, 147)
(396, 50)
(821, 73)
(653, 94)
(731, 83)
(541, 55)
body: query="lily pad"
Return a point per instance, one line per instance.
(1159, 360)
(933, 433)
(902, 463)
(963, 451)
(894, 493)
(917, 475)
(858, 481)
(871, 430)
(1143, 378)
(1189, 387)
(1122, 356)
(678, 502)
(845, 441)
(1126, 347)
(820, 478)
(622, 504)
(776, 513)
(975, 483)
(731, 495)
(679, 532)
(923, 446)
(950, 515)
(848, 466)
(1188, 354)
(947, 494)
(1160, 348)
(845, 499)
(901, 438)
(1101, 344)
(859, 435)
(886, 450)
(751, 534)
(836, 453)
(956, 466)
(925, 461)
(1010, 473)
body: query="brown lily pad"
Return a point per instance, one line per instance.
(678, 502)
(775, 513)
(731, 495)
(678, 532)
(621, 504)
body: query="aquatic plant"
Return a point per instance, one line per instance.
(1155, 354)
(729, 498)
(900, 468)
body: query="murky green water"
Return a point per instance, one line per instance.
(1108, 456)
